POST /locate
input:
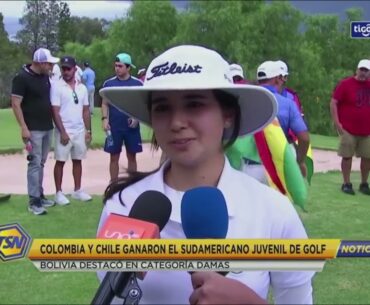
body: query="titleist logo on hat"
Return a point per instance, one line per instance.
(173, 68)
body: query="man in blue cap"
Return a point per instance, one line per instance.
(123, 129)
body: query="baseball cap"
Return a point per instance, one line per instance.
(364, 63)
(268, 69)
(68, 61)
(142, 70)
(125, 59)
(236, 70)
(283, 67)
(190, 67)
(42, 55)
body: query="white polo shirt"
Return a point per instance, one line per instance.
(255, 211)
(61, 94)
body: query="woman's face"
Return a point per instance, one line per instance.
(188, 125)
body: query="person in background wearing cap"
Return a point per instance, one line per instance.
(237, 74)
(288, 92)
(141, 74)
(71, 114)
(30, 98)
(269, 76)
(88, 78)
(124, 129)
(195, 110)
(55, 74)
(350, 111)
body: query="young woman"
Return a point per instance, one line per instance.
(195, 111)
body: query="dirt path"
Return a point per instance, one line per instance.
(95, 170)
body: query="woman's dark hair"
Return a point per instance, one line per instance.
(229, 104)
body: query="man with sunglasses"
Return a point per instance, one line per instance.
(124, 129)
(350, 111)
(31, 105)
(70, 104)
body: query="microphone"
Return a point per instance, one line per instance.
(148, 215)
(204, 214)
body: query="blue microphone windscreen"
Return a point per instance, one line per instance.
(204, 213)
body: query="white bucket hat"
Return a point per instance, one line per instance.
(189, 67)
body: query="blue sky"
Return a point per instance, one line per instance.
(101, 9)
(13, 10)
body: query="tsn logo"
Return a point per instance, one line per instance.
(14, 242)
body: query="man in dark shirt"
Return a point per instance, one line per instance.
(124, 129)
(32, 108)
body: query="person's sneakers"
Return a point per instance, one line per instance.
(36, 207)
(81, 195)
(46, 203)
(61, 199)
(347, 188)
(364, 188)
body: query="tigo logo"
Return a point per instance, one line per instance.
(360, 29)
(14, 242)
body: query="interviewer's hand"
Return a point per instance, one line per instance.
(213, 288)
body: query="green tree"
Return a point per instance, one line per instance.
(84, 30)
(11, 56)
(64, 25)
(148, 29)
(41, 24)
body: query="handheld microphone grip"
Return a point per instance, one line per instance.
(204, 214)
(148, 215)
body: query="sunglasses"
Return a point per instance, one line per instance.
(66, 68)
(75, 98)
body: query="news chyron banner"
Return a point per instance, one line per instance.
(135, 255)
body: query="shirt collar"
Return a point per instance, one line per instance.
(224, 185)
(271, 88)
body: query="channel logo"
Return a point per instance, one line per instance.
(360, 29)
(14, 242)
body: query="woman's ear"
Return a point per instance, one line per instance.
(228, 123)
(229, 117)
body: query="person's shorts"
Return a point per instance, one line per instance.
(351, 145)
(130, 137)
(76, 147)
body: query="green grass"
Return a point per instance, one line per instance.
(21, 282)
(331, 214)
(324, 142)
(11, 142)
(10, 139)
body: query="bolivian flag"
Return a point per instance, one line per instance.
(278, 158)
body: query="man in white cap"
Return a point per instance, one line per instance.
(350, 111)
(269, 76)
(285, 91)
(32, 108)
(237, 74)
